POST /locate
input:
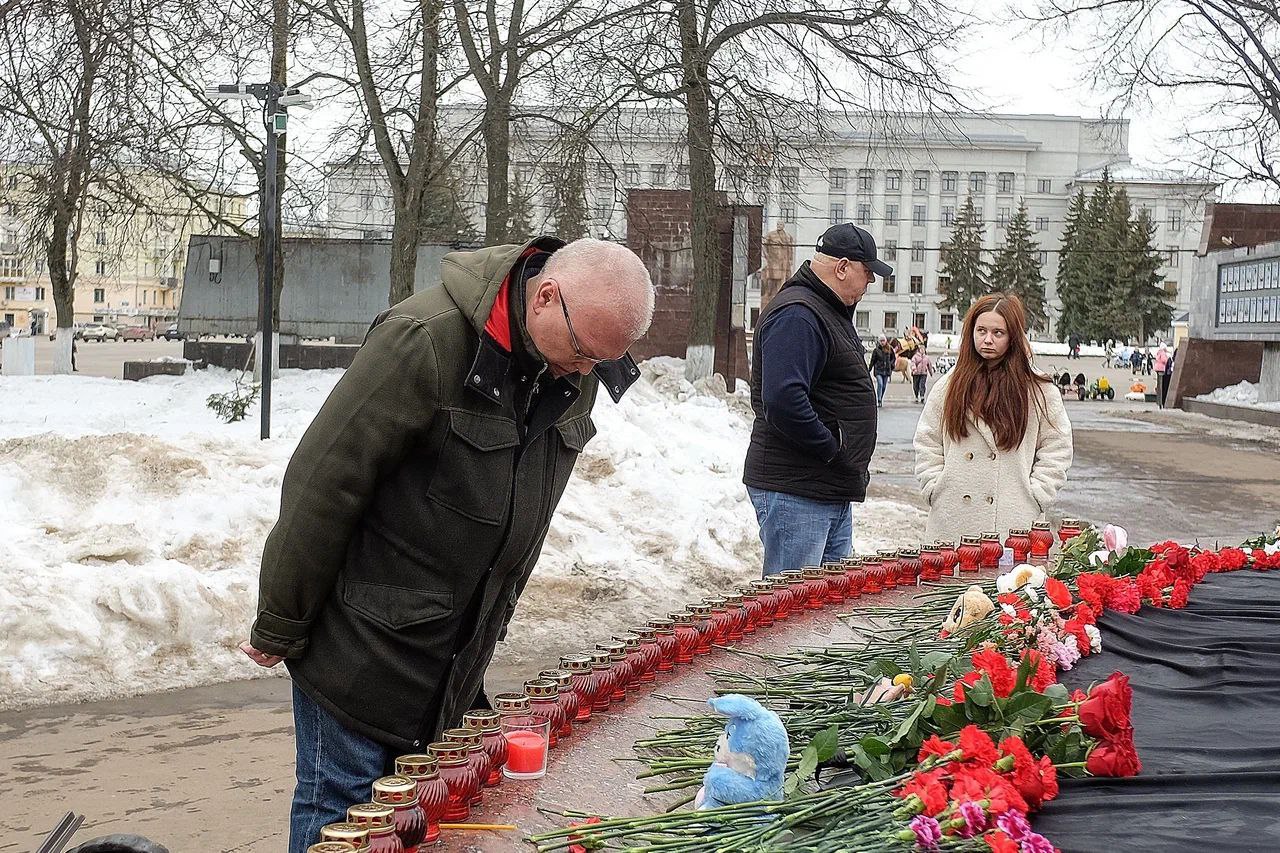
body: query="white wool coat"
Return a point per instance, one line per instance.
(972, 487)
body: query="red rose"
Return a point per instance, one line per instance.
(1000, 843)
(978, 746)
(1114, 758)
(1058, 593)
(935, 746)
(1108, 710)
(996, 667)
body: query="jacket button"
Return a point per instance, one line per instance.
(966, 497)
(993, 457)
(476, 379)
(990, 500)
(417, 743)
(968, 456)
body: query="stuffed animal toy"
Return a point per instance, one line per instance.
(971, 606)
(751, 755)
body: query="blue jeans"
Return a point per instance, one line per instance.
(335, 769)
(799, 532)
(882, 382)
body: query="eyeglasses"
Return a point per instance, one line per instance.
(573, 338)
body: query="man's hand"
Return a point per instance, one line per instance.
(260, 658)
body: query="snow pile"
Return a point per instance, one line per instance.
(1056, 348)
(135, 520)
(1241, 394)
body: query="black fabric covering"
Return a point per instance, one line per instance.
(1206, 716)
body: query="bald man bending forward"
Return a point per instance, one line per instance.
(414, 508)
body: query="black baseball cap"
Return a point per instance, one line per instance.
(847, 240)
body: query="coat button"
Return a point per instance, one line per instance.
(993, 457)
(990, 500)
(417, 743)
(968, 456)
(966, 497)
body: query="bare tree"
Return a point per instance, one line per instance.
(758, 82)
(1219, 58)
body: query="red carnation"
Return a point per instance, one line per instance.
(1075, 628)
(1108, 710)
(1078, 695)
(1114, 758)
(1086, 614)
(1045, 672)
(1124, 597)
(973, 782)
(1181, 592)
(929, 788)
(1093, 589)
(1003, 676)
(978, 746)
(1000, 843)
(1232, 559)
(1204, 563)
(935, 746)
(1057, 592)
(969, 678)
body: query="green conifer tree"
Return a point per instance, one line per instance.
(962, 262)
(1016, 269)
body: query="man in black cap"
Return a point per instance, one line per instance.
(815, 405)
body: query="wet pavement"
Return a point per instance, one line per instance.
(210, 768)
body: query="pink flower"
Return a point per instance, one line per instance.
(1034, 842)
(1014, 824)
(1114, 537)
(928, 831)
(975, 819)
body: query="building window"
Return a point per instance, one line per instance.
(1145, 211)
(947, 323)
(839, 178)
(893, 179)
(1042, 223)
(1044, 185)
(891, 320)
(100, 237)
(837, 214)
(920, 182)
(1002, 216)
(99, 295)
(11, 267)
(1173, 256)
(682, 174)
(787, 211)
(1175, 220)
(917, 250)
(890, 284)
(1004, 182)
(1043, 258)
(10, 291)
(948, 215)
(917, 285)
(40, 297)
(789, 178)
(949, 181)
(658, 174)
(977, 182)
(862, 320)
(631, 174)
(891, 214)
(370, 234)
(864, 214)
(864, 179)
(917, 320)
(917, 214)
(980, 213)
(1171, 288)
(890, 250)
(100, 267)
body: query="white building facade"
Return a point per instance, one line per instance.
(904, 178)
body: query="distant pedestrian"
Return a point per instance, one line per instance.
(1073, 346)
(883, 359)
(33, 327)
(74, 369)
(921, 370)
(1148, 361)
(1135, 360)
(1162, 360)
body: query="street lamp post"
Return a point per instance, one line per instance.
(276, 98)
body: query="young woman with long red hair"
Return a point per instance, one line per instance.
(993, 445)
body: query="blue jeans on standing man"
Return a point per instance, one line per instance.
(882, 382)
(335, 767)
(799, 532)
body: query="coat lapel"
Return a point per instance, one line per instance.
(987, 435)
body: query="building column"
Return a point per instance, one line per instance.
(1269, 379)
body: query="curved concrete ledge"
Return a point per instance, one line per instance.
(1227, 412)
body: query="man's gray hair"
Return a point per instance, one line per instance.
(606, 278)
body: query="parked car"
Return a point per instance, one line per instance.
(170, 333)
(98, 332)
(136, 333)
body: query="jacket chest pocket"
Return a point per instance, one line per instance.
(476, 466)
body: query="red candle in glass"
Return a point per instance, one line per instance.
(622, 672)
(781, 597)
(1019, 542)
(401, 793)
(565, 695)
(751, 607)
(992, 551)
(476, 756)
(379, 819)
(856, 573)
(583, 681)
(737, 610)
(1041, 542)
(489, 725)
(970, 553)
(909, 567)
(797, 585)
(527, 752)
(686, 637)
(837, 583)
(454, 767)
(356, 836)
(544, 701)
(767, 601)
(511, 704)
(931, 563)
(706, 628)
(650, 653)
(720, 620)
(664, 633)
(1069, 529)
(634, 657)
(889, 562)
(433, 793)
(950, 559)
(874, 576)
(602, 669)
(815, 588)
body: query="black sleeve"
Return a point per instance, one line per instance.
(793, 349)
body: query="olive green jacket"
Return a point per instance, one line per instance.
(415, 506)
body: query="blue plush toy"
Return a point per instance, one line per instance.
(751, 755)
